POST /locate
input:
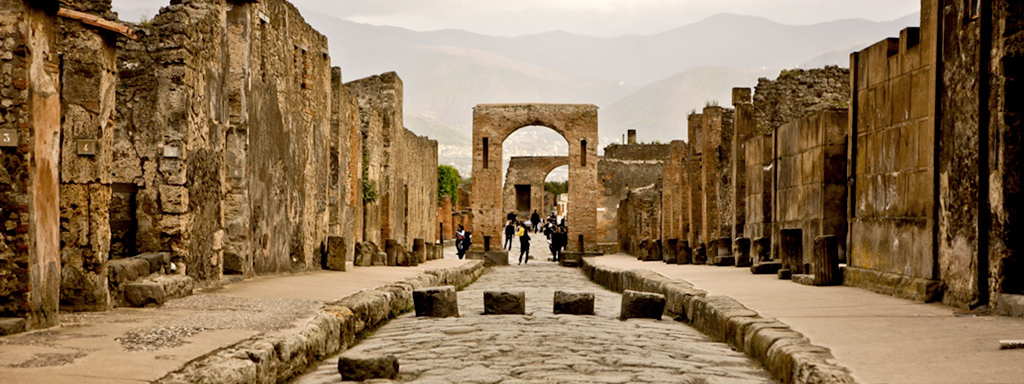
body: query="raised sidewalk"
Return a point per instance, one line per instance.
(881, 339)
(141, 345)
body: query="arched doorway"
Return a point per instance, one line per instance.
(524, 190)
(492, 124)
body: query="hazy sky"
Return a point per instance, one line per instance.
(591, 17)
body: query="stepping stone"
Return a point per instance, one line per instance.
(804, 279)
(362, 367)
(436, 302)
(642, 305)
(574, 303)
(504, 303)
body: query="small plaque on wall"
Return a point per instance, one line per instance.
(86, 147)
(8, 138)
(172, 151)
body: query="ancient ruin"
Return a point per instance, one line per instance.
(212, 166)
(492, 124)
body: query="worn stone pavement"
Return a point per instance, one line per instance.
(136, 345)
(882, 339)
(541, 347)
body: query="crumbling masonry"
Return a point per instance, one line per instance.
(902, 167)
(143, 161)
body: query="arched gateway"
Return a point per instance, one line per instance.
(524, 183)
(492, 124)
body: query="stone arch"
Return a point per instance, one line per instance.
(531, 171)
(493, 123)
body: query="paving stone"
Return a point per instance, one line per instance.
(504, 303)
(574, 303)
(645, 305)
(436, 302)
(358, 367)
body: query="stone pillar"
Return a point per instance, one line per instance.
(29, 149)
(419, 251)
(742, 252)
(336, 258)
(631, 136)
(826, 261)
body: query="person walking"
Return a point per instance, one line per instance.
(510, 231)
(559, 240)
(535, 220)
(461, 242)
(524, 244)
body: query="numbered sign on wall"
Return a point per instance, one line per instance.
(86, 147)
(8, 138)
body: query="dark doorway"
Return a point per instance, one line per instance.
(791, 249)
(123, 221)
(523, 197)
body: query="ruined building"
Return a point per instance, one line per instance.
(901, 168)
(142, 161)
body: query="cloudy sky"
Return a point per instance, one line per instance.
(590, 17)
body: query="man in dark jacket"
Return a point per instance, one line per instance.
(510, 231)
(535, 221)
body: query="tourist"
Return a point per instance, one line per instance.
(511, 216)
(524, 244)
(510, 230)
(535, 220)
(461, 242)
(559, 240)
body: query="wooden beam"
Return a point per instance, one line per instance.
(97, 21)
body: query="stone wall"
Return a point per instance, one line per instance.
(622, 168)
(529, 171)
(639, 219)
(892, 130)
(716, 134)
(811, 190)
(88, 88)
(29, 185)
(694, 188)
(399, 169)
(797, 92)
(759, 153)
(674, 221)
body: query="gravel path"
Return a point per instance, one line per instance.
(541, 347)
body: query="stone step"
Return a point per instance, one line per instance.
(157, 289)
(11, 325)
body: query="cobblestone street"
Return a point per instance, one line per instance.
(541, 347)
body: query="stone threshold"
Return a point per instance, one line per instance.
(786, 353)
(277, 357)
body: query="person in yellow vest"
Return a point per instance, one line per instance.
(524, 243)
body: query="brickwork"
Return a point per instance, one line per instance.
(625, 167)
(30, 245)
(529, 171)
(492, 123)
(639, 220)
(695, 193)
(399, 169)
(89, 80)
(674, 222)
(716, 145)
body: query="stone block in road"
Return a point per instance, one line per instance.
(642, 305)
(436, 302)
(357, 367)
(335, 258)
(574, 303)
(504, 303)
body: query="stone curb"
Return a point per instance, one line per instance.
(276, 357)
(787, 354)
